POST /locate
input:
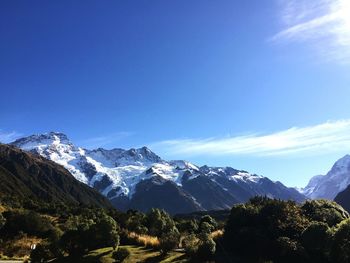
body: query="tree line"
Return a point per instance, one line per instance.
(261, 230)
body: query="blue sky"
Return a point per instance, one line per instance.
(258, 85)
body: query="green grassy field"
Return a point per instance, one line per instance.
(137, 254)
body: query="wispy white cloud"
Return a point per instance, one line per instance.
(104, 140)
(322, 24)
(7, 137)
(326, 137)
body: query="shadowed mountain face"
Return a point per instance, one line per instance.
(343, 198)
(140, 179)
(25, 176)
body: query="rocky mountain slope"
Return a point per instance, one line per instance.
(28, 177)
(329, 185)
(140, 179)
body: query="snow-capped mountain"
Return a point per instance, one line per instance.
(329, 185)
(140, 179)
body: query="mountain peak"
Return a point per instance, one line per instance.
(343, 162)
(45, 138)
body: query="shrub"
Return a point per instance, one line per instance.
(325, 211)
(168, 242)
(340, 252)
(206, 249)
(26, 221)
(190, 243)
(207, 224)
(121, 254)
(160, 222)
(316, 239)
(40, 254)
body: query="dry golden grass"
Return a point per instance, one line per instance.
(217, 234)
(19, 247)
(2, 208)
(144, 240)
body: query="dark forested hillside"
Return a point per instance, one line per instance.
(25, 176)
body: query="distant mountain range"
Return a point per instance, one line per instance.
(26, 177)
(329, 185)
(140, 179)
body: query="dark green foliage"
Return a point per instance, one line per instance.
(28, 222)
(316, 240)
(2, 221)
(169, 241)
(199, 248)
(121, 254)
(160, 222)
(254, 230)
(190, 243)
(324, 211)
(41, 253)
(206, 249)
(340, 252)
(85, 234)
(207, 224)
(187, 226)
(135, 222)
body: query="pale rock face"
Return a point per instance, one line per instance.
(329, 185)
(117, 172)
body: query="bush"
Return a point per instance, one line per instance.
(340, 252)
(26, 221)
(207, 224)
(206, 249)
(103, 232)
(40, 254)
(190, 243)
(168, 242)
(325, 211)
(316, 240)
(160, 222)
(121, 254)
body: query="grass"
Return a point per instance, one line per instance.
(18, 247)
(137, 254)
(144, 240)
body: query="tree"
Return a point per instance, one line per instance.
(316, 240)
(207, 224)
(104, 233)
(28, 222)
(90, 234)
(254, 230)
(187, 226)
(190, 243)
(160, 222)
(340, 252)
(325, 211)
(206, 248)
(169, 241)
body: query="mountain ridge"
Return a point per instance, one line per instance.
(117, 173)
(28, 177)
(330, 185)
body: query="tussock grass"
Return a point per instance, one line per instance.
(217, 234)
(144, 240)
(18, 247)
